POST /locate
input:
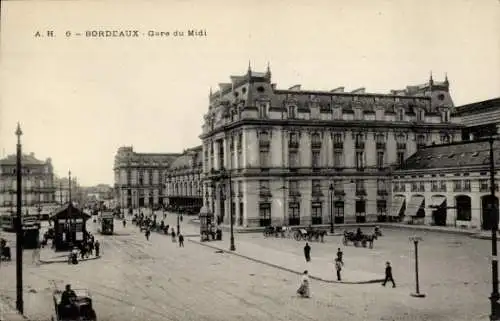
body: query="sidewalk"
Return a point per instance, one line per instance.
(8, 312)
(321, 269)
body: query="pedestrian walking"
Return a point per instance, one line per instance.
(307, 252)
(35, 257)
(97, 247)
(304, 290)
(388, 275)
(124, 222)
(148, 232)
(173, 235)
(181, 240)
(338, 267)
(340, 255)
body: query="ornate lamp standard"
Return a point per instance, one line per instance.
(417, 293)
(330, 190)
(19, 227)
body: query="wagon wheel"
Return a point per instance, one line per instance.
(297, 236)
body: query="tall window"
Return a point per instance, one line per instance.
(360, 160)
(401, 158)
(293, 158)
(315, 159)
(316, 213)
(420, 141)
(380, 159)
(445, 116)
(294, 188)
(338, 141)
(420, 114)
(221, 154)
(293, 141)
(358, 114)
(359, 141)
(360, 207)
(337, 159)
(381, 186)
(264, 187)
(292, 111)
(265, 214)
(339, 210)
(264, 139)
(316, 187)
(264, 158)
(316, 140)
(381, 207)
(293, 213)
(360, 186)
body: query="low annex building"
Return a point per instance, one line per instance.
(446, 184)
(183, 182)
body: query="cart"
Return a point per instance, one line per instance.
(81, 310)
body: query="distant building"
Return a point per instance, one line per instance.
(183, 181)
(298, 157)
(446, 185)
(480, 119)
(62, 194)
(37, 181)
(139, 177)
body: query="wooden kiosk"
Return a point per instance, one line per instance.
(69, 227)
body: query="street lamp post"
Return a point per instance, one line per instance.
(417, 293)
(494, 220)
(331, 208)
(19, 227)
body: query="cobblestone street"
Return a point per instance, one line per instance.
(154, 280)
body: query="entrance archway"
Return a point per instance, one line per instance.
(440, 212)
(489, 204)
(464, 208)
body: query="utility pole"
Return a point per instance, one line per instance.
(19, 227)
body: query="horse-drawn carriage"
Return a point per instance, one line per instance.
(277, 231)
(310, 234)
(358, 238)
(80, 310)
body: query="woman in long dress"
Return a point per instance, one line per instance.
(303, 290)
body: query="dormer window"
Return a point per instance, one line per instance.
(445, 116)
(420, 115)
(358, 113)
(263, 109)
(401, 114)
(292, 111)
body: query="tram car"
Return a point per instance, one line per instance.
(105, 223)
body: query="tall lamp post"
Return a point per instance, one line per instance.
(330, 190)
(227, 175)
(494, 220)
(417, 293)
(19, 227)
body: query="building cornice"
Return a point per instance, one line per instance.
(348, 124)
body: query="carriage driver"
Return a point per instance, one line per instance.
(68, 296)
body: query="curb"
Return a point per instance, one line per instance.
(66, 260)
(284, 268)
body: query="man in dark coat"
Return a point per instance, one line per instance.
(388, 275)
(307, 252)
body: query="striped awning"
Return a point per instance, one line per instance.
(397, 204)
(437, 200)
(414, 205)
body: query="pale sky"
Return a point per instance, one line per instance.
(78, 99)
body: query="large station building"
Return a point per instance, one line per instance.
(298, 157)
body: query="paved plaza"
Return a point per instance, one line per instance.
(154, 280)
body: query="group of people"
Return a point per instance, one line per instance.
(149, 224)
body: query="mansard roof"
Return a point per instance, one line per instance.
(191, 158)
(477, 107)
(454, 155)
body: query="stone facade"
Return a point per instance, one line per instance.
(139, 177)
(298, 157)
(183, 184)
(37, 181)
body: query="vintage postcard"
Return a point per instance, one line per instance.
(249, 160)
